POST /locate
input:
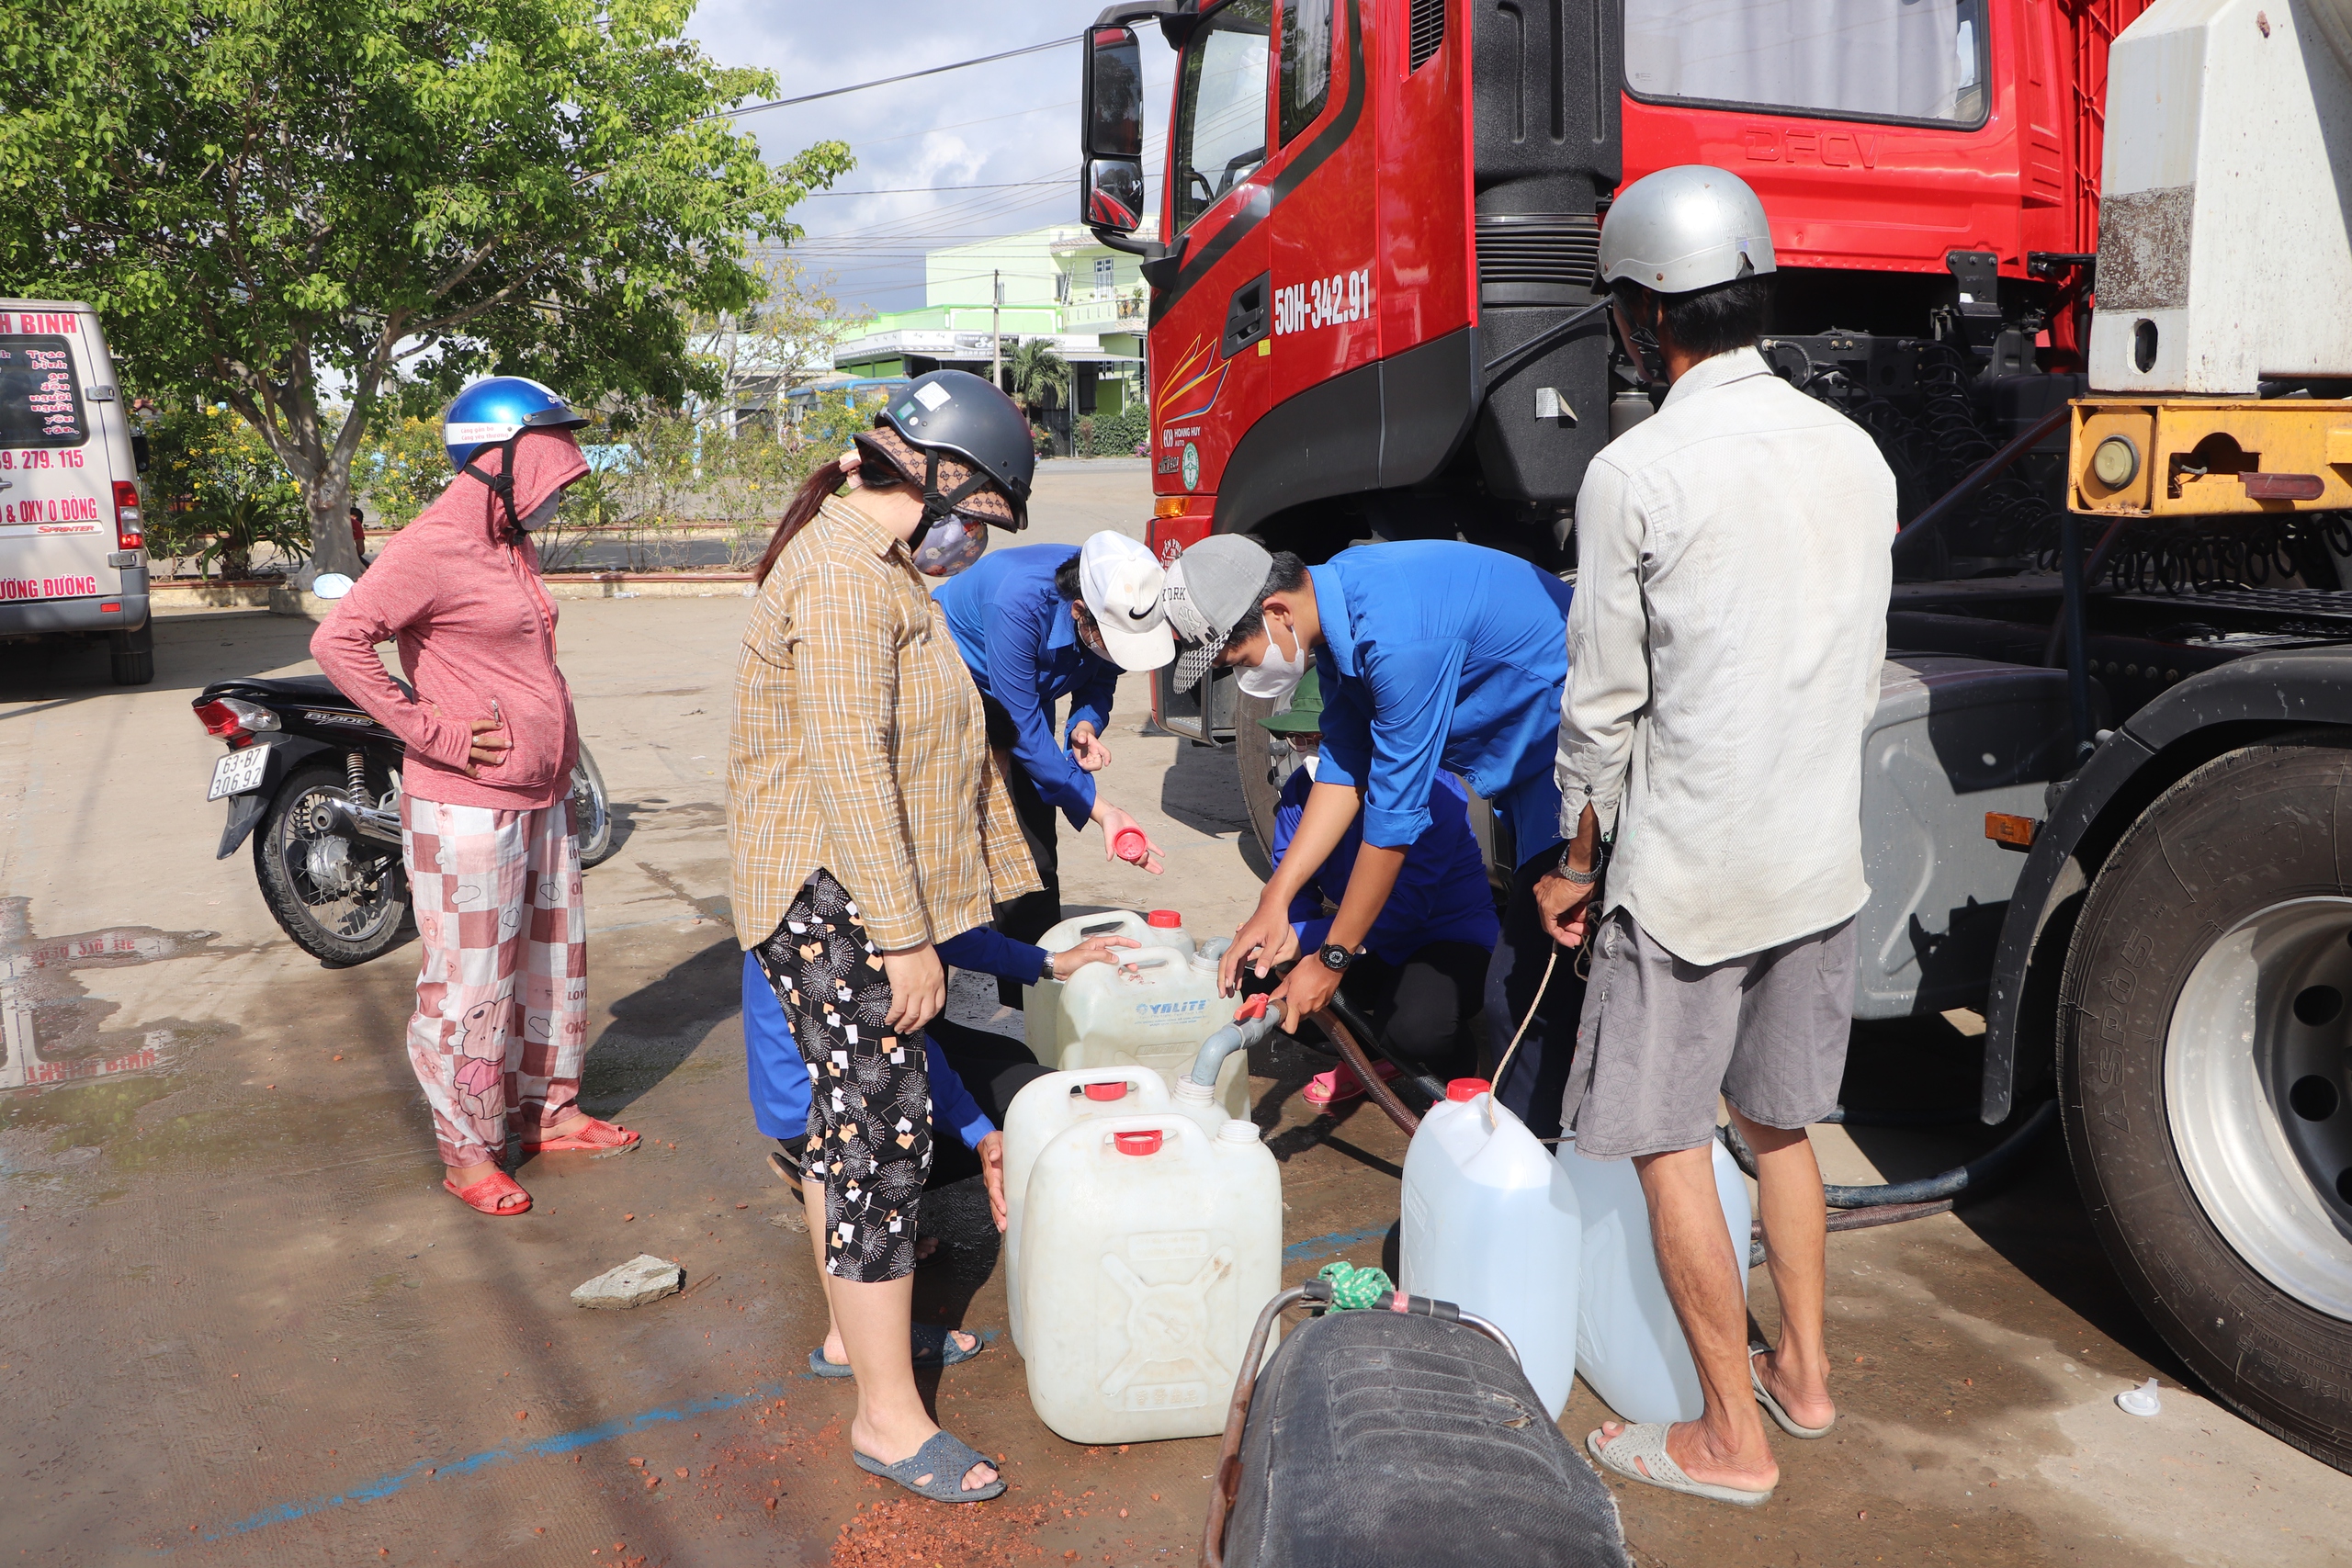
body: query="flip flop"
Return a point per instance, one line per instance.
(594, 1137)
(1646, 1441)
(1772, 1406)
(485, 1195)
(786, 1166)
(945, 1460)
(1322, 1090)
(933, 1346)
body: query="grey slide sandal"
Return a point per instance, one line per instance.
(1773, 1406)
(945, 1460)
(1646, 1441)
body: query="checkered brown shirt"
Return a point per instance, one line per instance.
(859, 747)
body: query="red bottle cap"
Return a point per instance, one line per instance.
(1131, 845)
(1467, 1088)
(1137, 1143)
(1164, 920)
(1106, 1091)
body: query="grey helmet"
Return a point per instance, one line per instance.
(1689, 227)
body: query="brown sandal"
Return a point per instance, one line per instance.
(487, 1194)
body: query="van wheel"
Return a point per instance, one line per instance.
(2202, 1069)
(133, 654)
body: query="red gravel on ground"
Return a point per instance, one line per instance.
(912, 1533)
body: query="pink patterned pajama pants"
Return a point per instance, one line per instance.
(502, 1001)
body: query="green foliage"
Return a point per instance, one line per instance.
(1112, 435)
(401, 468)
(1036, 375)
(263, 197)
(219, 494)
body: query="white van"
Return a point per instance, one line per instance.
(73, 549)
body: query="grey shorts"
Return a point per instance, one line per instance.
(1661, 1038)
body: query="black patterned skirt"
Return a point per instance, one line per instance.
(869, 1098)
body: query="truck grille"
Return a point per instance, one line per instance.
(1537, 258)
(1428, 31)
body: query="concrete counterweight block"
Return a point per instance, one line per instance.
(642, 1278)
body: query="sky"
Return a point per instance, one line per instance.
(986, 150)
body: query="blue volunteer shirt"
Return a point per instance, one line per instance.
(1017, 639)
(1442, 895)
(1442, 656)
(778, 1073)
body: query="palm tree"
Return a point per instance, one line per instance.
(1038, 376)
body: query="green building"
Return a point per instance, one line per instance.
(1057, 283)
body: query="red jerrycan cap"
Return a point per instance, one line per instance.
(1137, 1142)
(1131, 845)
(1106, 1090)
(1467, 1088)
(1164, 920)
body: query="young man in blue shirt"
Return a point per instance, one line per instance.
(1434, 655)
(1423, 969)
(1035, 625)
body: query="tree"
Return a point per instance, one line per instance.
(784, 339)
(292, 204)
(1039, 375)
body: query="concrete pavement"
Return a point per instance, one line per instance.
(240, 1322)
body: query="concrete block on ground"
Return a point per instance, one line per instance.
(642, 1278)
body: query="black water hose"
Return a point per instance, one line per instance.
(1978, 1174)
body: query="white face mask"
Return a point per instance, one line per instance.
(1276, 673)
(540, 515)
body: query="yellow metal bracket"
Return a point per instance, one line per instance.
(2209, 458)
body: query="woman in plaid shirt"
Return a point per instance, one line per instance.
(868, 824)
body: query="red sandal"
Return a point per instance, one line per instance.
(591, 1137)
(486, 1195)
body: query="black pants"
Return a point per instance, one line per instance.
(1538, 1078)
(1422, 1008)
(1029, 917)
(994, 1070)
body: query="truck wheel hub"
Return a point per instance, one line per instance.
(2256, 1090)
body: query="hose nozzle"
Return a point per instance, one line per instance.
(1258, 1017)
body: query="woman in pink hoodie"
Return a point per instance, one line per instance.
(493, 871)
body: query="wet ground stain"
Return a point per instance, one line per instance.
(52, 1029)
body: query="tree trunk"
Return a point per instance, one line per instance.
(329, 502)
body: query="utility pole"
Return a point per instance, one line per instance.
(996, 334)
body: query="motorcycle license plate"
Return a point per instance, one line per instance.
(238, 772)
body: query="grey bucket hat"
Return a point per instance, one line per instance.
(1210, 587)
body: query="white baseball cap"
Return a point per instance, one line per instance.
(1121, 581)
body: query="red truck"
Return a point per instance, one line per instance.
(1372, 318)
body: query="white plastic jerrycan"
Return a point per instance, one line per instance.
(1154, 1011)
(1629, 1346)
(1044, 1111)
(1491, 1225)
(1041, 1003)
(1147, 1250)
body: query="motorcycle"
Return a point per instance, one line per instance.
(316, 783)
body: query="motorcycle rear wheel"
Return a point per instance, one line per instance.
(359, 916)
(592, 814)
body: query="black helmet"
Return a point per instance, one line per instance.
(957, 415)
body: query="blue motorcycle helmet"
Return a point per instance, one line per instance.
(495, 413)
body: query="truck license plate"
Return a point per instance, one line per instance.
(238, 772)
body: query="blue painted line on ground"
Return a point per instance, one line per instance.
(1319, 1246)
(561, 1443)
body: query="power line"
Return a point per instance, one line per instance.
(885, 81)
(937, 190)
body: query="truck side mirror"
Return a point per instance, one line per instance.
(1114, 194)
(1114, 93)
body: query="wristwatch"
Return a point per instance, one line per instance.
(1335, 958)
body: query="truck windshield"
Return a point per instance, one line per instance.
(1902, 59)
(1221, 113)
(40, 399)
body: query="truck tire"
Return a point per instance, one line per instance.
(2203, 1074)
(133, 655)
(1261, 776)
